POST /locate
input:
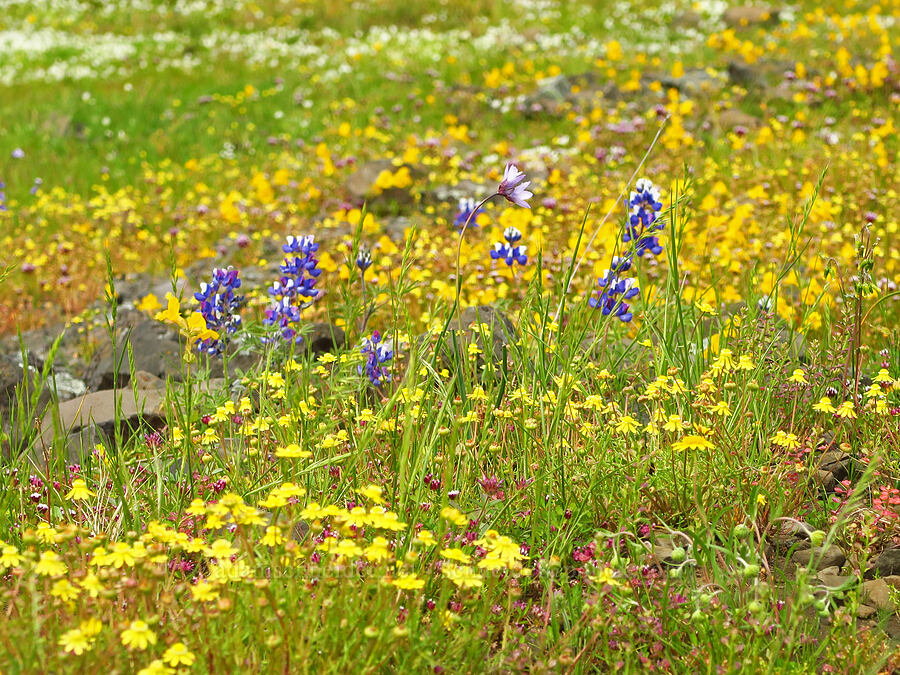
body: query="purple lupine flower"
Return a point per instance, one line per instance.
(508, 251)
(220, 307)
(295, 289)
(377, 354)
(644, 219)
(466, 211)
(615, 290)
(513, 188)
(363, 259)
(37, 185)
(2, 196)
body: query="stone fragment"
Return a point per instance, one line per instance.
(886, 564)
(750, 15)
(833, 556)
(81, 421)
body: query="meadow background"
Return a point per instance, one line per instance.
(646, 422)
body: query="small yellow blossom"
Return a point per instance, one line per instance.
(79, 491)
(178, 655)
(203, 591)
(138, 636)
(845, 410)
(50, 565)
(824, 405)
(798, 376)
(293, 451)
(409, 582)
(693, 442)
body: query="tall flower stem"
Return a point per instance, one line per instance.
(609, 213)
(462, 233)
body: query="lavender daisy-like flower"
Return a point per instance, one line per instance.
(513, 188)
(508, 252)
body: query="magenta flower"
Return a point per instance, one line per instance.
(513, 188)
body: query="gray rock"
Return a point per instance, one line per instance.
(865, 612)
(836, 462)
(885, 565)
(65, 386)
(877, 592)
(12, 376)
(760, 74)
(82, 420)
(360, 185)
(157, 350)
(451, 194)
(732, 118)
(695, 82)
(324, 337)
(498, 333)
(395, 228)
(833, 556)
(750, 15)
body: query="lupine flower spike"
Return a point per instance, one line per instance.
(466, 211)
(377, 353)
(644, 219)
(363, 259)
(615, 290)
(220, 307)
(509, 252)
(295, 290)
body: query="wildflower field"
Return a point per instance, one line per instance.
(449, 336)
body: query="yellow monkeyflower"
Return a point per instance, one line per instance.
(372, 492)
(627, 425)
(798, 376)
(178, 655)
(193, 328)
(138, 636)
(785, 440)
(203, 591)
(845, 410)
(10, 557)
(64, 590)
(50, 565)
(693, 442)
(293, 451)
(605, 577)
(408, 582)
(79, 491)
(824, 405)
